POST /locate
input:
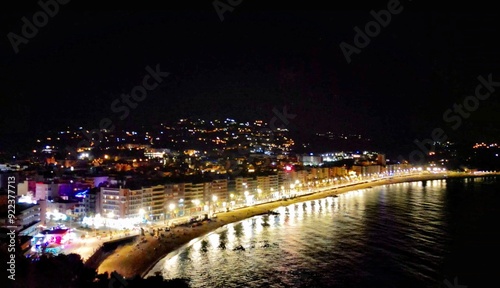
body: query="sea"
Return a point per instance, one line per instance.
(435, 233)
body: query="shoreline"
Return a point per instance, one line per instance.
(139, 259)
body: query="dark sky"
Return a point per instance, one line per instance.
(260, 57)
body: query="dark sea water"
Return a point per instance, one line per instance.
(398, 235)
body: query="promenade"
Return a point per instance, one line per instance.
(138, 258)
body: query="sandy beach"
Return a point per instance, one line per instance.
(137, 259)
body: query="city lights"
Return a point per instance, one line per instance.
(255, 138)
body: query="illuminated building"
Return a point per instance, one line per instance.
(152, 153)
(311, 160)
(129, 203)
(26, 221)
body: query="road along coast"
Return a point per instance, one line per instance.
(139, 258)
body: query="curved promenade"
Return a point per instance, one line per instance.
(139, 258)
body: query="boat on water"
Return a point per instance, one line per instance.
(239, 248)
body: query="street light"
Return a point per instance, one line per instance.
(181, 204)
(247, 198)
(110, 216)
(196, 203)
(96, 222)
(214, 201)
(231, 196)
(171, 208)
(141, 214)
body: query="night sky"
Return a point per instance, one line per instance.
(259, 58)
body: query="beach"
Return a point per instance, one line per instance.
(138, 258)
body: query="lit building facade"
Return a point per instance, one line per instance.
(26, 221)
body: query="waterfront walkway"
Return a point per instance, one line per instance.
(139, 258)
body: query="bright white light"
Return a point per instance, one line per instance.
(56, 216)
(84, 155)
(28, 198)
(249, 200)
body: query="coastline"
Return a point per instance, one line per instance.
(139, 259)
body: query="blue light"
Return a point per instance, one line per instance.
(82, 194)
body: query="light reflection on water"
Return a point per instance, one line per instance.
(377, 237)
